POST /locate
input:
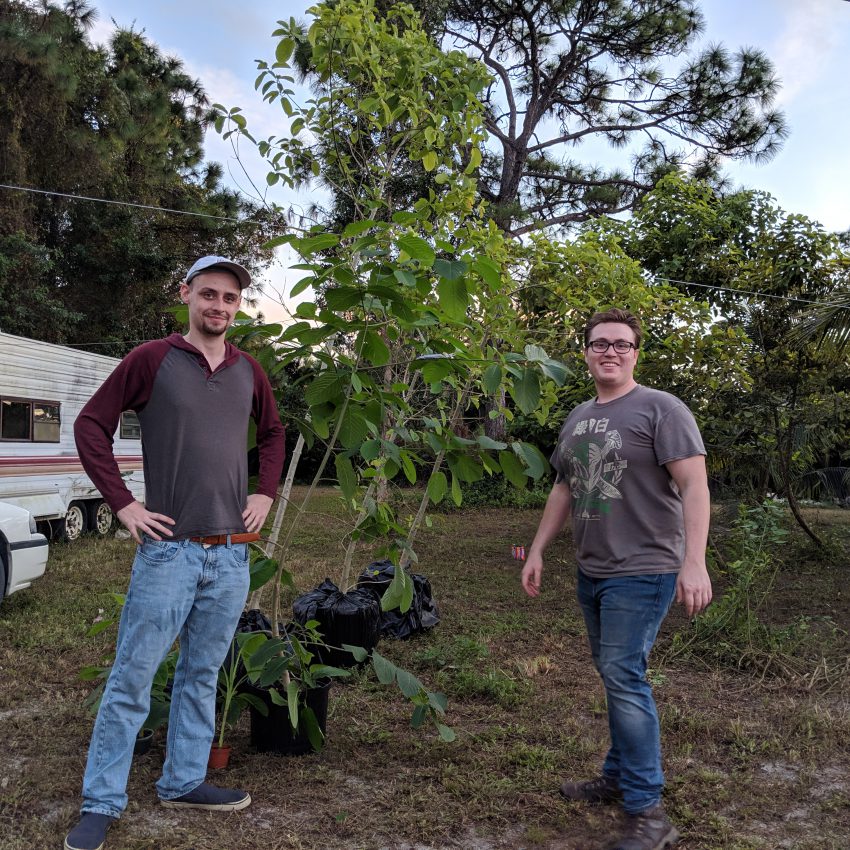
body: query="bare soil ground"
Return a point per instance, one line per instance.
(752, 763)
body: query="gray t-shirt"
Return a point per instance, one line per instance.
(626, 510)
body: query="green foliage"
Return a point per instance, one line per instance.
(565, 73)
(122, 123)
(789, 408)
(731, 631)
(495, 492)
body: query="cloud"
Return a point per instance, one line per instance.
(813, 35)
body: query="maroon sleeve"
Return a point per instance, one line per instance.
(270, 432)
(127, 388)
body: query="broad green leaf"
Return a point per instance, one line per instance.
(311, 244)
(284, 50)
(324, 671)
(555, 370)
(535, 354)
(302, 284)
(453, 297)
(292, 701)
(450, 269)
(466, 468)
(409, 684)
(457, 493)
(533, 457)
(354, 428)
(433, 371)
(326, 386)
(375, 349)
(420, 714)
(437, 486)
(355, 228)
(346, 476)
(370, 449)
(526, 391)
(417, 249)
(261, 571)
(429, 161)
(489, 271)
(446, 733)
(513, 469)
(437, 701)
(405, 277)
(489, 444)
(341, 298)
(408, 467)
(313, 730)
(358, 652)
(399, 594)
(384, 670)
(492, 378)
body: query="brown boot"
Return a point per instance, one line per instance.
(603, 789)
(648, 830)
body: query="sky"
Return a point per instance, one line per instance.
(808, 41)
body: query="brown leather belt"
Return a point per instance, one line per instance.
(221, 539)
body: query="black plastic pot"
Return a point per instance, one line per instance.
(273, 733)
(353, 618)
(143, 742)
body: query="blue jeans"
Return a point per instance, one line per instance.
(623, 616)
(177, 588)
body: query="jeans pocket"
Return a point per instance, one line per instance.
(159, 551)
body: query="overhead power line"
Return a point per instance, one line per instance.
(155, 208)
(124, 204)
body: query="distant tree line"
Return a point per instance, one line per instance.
(122, 123)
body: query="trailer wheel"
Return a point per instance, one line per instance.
(75, 521)
(101, 518)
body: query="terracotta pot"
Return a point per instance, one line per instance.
(219, 757)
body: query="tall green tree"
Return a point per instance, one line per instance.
(763, 270)
(122, 123)
(621, 72)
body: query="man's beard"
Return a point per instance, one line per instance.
(213, 330)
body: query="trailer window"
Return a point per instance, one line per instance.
(45, 422)
(15, 420)
(131, 429)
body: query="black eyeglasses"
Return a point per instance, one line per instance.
(600, 346)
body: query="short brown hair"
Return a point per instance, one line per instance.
(615, 314)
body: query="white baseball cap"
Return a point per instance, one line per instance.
(205, 264)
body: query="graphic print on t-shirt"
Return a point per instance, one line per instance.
(596, 468)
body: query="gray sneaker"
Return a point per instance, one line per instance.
(213, 799)
(89, 833)
(649, 830)
(603, 789)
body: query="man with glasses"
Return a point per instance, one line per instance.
(630, 469)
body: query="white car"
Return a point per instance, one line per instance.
(23, 552)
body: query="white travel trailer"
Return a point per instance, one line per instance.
(43, 387)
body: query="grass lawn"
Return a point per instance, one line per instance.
(751, 762)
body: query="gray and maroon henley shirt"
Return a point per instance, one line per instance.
(194, 434)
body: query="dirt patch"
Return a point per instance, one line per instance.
(751, 764)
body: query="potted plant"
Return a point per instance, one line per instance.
(288, 688)
(233, 698)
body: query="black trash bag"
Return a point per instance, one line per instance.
(353, 618)
(253, 621)
(423, 613)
